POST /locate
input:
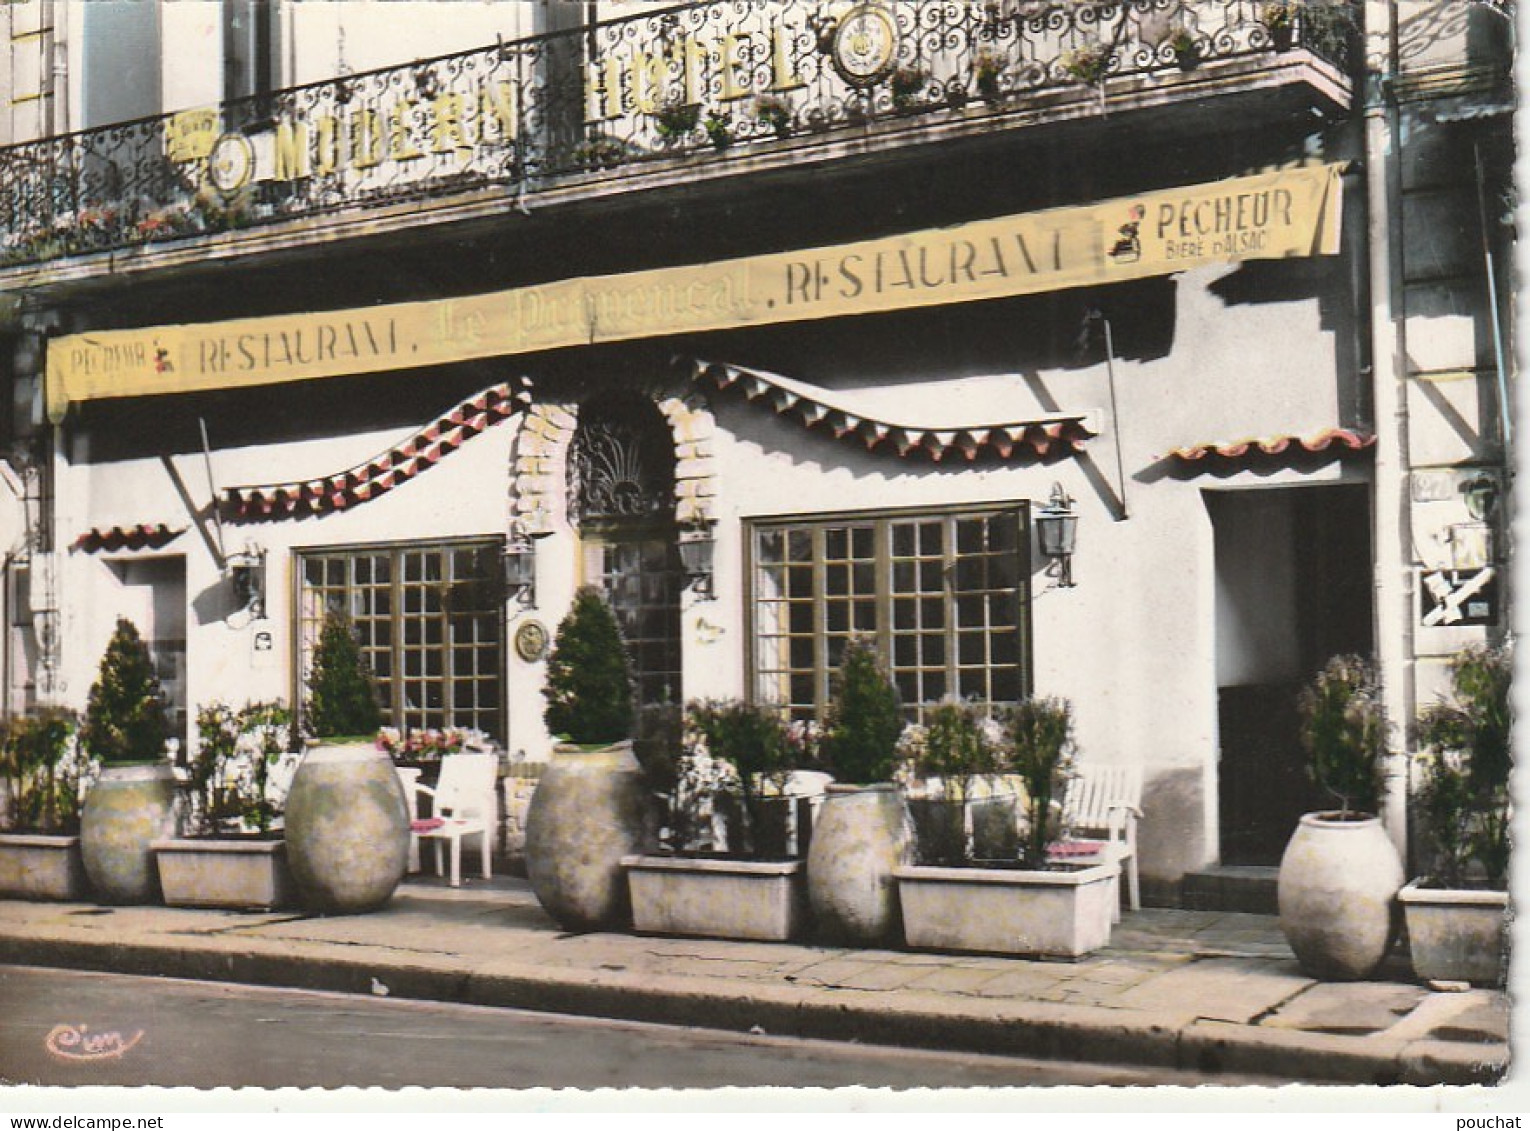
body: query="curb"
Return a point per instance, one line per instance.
(1043, 1030)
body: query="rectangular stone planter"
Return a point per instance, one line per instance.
(42, 866)
(241, 875)
(717, 898)
(1007, 911)
(1457, 935)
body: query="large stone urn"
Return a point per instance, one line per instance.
(126, 810)
(347, 829)
(590, 809)
(1337, 889)
(862, 834)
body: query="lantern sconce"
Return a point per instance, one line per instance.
(247, 572)
(520, 562)
(1057, 531)
(696, 547)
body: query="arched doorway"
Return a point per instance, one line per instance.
(621, 492)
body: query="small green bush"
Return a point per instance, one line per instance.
(40, 763)
(125, 716)
(955, 749)
(1041, 752)
(589, 689)
(236, 751)
(865, 719)
(752, 739)
(1464, 801)
(1344, 731)
(342, 698)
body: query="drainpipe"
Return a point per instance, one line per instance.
(1392, 551)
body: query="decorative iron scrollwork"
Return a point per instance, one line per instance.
(618, 469)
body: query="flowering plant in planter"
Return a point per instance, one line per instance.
(46, 775)
(45, 770)
(425, 744)
(1457, 913)
(232, 785)
(737, 749)
(1464, 802)
(1041, 752)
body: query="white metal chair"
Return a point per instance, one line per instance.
(462, 804)
(1104, 805)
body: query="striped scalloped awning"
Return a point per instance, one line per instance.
(145, 536)
(1335, 443)
(379, 475)
(1039, 438)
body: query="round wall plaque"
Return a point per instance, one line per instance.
(531, 641)
(865, 45)
(231, 163)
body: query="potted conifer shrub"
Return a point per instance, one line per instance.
(347, 821)
(591, 807)
(1340, 873)
(132, 803)
(1035, 907)
(863, 830)
(234, 857)
(744, 891)
(1457, 912)
(46, 773)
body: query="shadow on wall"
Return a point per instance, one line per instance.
(1170, 837)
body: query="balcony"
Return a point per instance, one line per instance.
(695, 92)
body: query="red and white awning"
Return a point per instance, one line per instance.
(1041, 437)
(145, 536)
(1332, 443)
(381, 474)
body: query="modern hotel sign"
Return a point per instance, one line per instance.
(1291, 213)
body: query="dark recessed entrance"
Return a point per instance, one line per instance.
(1293, 576)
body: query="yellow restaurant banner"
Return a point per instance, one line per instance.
(1277, 215)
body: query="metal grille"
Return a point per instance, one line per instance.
(728, 75)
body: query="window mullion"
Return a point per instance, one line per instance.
(821, 669)
(948, 603)
(881, 552)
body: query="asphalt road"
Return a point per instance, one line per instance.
(62, 1027)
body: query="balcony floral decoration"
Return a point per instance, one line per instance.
(675, 121)
(719, 128)
(986, 69)
(1087, 65)
(906, 85)
(774, 112)
(97, 228)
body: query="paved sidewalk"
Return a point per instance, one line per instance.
(1209, 991)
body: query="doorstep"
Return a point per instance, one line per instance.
(1246, 888)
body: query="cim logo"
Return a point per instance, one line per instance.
(77, 1042)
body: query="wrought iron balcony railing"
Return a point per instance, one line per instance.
(714, 77)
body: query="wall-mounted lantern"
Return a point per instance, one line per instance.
(520, 563)
(696, 547)
(247, 574)
(1057, 531)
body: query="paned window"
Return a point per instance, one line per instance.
(944, 595)
(429, 619)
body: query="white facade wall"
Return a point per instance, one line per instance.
(1134, 645)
